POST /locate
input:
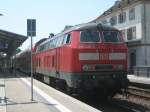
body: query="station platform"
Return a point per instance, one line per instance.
(139, 79)
(15, 96)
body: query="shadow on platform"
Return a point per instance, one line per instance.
(10, 102)
(6, 74)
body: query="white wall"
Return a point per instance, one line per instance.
(147, 22)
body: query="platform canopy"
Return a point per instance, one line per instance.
(9, 42)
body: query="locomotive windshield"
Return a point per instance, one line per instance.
(89, 36)
(111, 36)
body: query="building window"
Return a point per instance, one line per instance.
(122, 17)
(131, 33)
(132, 14)
(123, 34)
(113, 20)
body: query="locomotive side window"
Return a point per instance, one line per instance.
(53, 43)
(89, 36)
(67, 39)
(45, 46)
(41, 48)
(110, 36)
(50, 44)
(59, 41)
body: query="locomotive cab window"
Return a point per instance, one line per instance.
(111, 36)
(89, 36)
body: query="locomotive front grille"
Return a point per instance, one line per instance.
(103, 67)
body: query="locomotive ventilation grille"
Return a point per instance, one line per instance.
(103, 67)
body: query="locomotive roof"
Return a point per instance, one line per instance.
(85, 26)
(90, 26)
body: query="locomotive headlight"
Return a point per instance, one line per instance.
(85, 67)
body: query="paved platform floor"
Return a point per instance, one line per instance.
(15, 96)
(138, 79)
(2, 96)
(18, 98)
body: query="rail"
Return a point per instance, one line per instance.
(139, 92)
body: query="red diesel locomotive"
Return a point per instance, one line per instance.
(84, 57)
(87, 57)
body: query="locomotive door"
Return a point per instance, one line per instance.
(57, 62)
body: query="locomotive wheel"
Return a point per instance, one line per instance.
(61, 85)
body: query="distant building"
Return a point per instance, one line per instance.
(132, 17)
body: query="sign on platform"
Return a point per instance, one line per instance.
(31, 27)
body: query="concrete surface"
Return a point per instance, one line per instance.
(18, 97)
(2, 96)
(17, 92)
(136, 79)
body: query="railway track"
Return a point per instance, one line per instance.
(139, 92)
(117, 105)
(110, 106)
(137, 99)
(125, 107)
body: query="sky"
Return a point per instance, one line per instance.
(51, 15)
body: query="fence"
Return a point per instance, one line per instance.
(143, 71)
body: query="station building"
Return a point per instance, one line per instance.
(9, 42)
(132, 17)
